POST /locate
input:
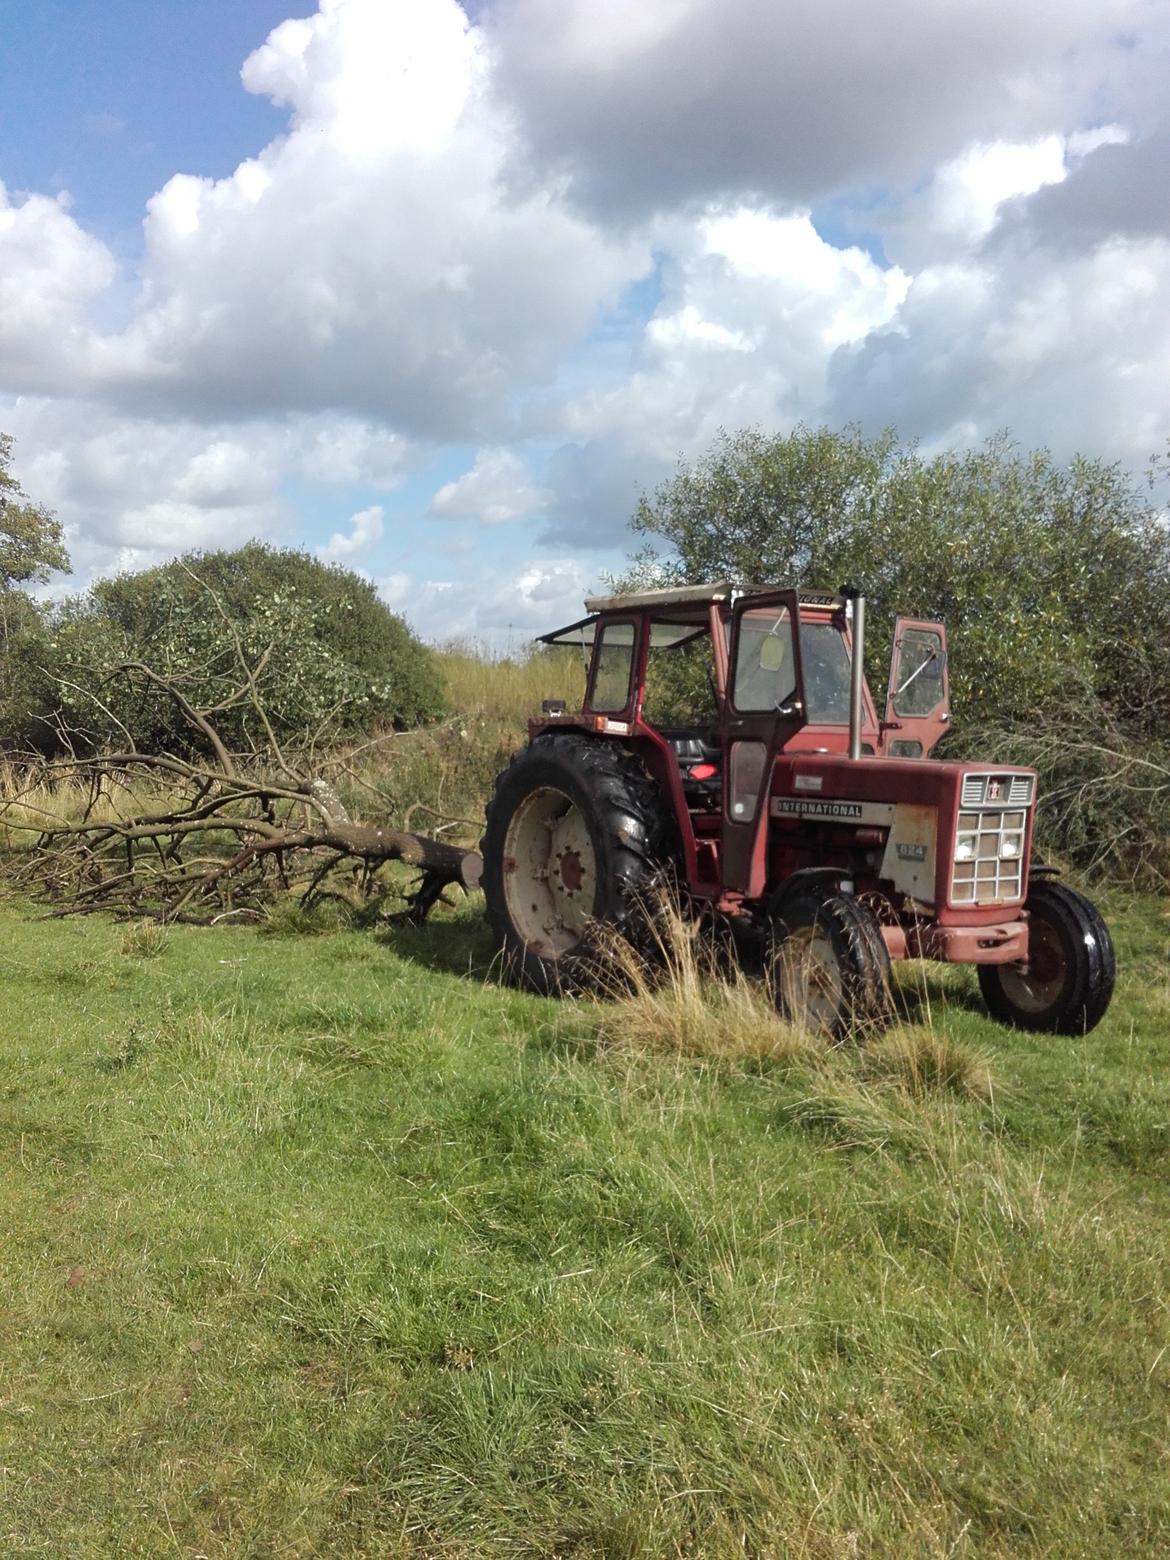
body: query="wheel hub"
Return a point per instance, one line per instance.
(1035, 989)
(572, 871)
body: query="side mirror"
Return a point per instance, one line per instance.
(771, 654)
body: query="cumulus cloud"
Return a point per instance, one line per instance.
(1117, 189)
(753, 306)
(51, 271)
(502, 608)
(650, 106)
(365, 528)
(371, 259)
(131, 490)
(497, 489)
(599, 228)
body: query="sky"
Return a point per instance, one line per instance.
(436, 292)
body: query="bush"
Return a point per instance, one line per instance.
(1040, 569)
(333, 659)
(1054, 580)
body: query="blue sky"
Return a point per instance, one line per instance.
(437, 291)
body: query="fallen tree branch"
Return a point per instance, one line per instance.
(213, 833)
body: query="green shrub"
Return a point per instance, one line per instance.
(331, 659)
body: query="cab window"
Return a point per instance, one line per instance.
(765, 660)
(613, 665)
(920, 687)
(826, 664)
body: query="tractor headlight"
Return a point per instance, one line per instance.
(1009, 847)
(965, 847)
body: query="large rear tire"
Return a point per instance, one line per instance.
(1071, 967)
(574, 833)
(830, 968)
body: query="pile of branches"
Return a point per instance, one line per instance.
(208, 833)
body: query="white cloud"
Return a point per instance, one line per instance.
(51, 271)
(1072, 355)
(452, 244)
(960, 204)
(372, 259)
(365, 528)
(753, 307)
(651, 106)
(499, 607)
(497, 489)
(119, 482)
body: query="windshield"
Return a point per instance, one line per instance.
(826, 664)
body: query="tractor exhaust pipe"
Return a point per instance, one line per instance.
(857, 679)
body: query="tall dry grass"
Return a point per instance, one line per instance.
(684, 993)
(509, 689)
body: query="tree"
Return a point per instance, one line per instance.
(31, 547)
(332, 657)
(32, 544)
(1054, 579)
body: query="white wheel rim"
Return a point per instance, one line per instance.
(550, 873)
(812, 989)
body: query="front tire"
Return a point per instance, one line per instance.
(573, 835)
(1071, 967)
(830, 967)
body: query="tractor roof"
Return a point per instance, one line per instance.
(681, 608)
(678, 595)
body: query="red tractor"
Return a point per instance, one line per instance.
(798, 814)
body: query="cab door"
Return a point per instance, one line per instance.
(918, 700)
(763, 706)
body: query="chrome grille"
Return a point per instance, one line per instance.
(997, 791)
(989, 855)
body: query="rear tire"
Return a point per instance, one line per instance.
(829, 965)
(1072, 967)
(573, 836)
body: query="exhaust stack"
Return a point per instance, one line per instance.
(857, 680)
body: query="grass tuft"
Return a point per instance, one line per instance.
(923, 1061)
(682, 994)
(145, 939)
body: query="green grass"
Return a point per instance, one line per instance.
(330, 1246)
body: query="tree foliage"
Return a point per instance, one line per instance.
(1054, 581)
(331, 658)
(32, 544)
(1052, 578)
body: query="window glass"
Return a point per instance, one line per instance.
(680, 685)
(921, 662)
(826, 664)
(765, 662)
(612, 664)
(745, 779)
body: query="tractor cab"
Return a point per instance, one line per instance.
(776, 666)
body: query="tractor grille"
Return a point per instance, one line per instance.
(997, 791)
(989, 843)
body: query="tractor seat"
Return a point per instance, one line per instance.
(700, 763)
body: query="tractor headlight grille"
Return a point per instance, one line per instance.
(997, 791)
(988, 866)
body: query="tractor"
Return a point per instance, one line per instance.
(826, 834)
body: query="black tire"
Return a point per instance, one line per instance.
(1072, 967)
(596, 797)
(829, 965)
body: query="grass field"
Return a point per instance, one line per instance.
(329, 1245)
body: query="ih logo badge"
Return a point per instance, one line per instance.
(995, 790)
(911, 851)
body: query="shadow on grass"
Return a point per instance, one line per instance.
(923, 990)
(453, 945)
